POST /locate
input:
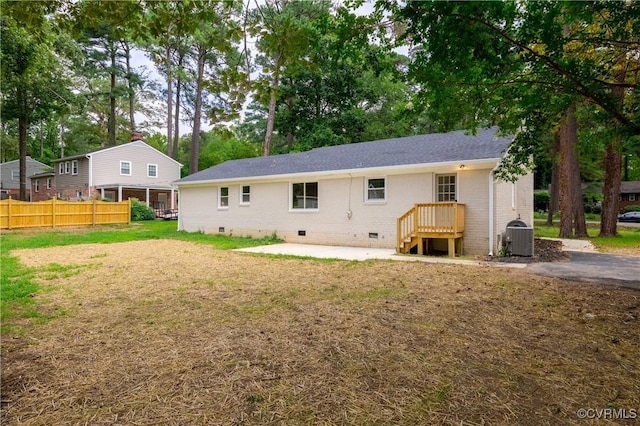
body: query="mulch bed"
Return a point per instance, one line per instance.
(543, 251)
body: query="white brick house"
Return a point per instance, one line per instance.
(355, 194)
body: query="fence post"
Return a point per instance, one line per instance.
(93, 214)
(9, 206)
(53, 212)
(129, 211)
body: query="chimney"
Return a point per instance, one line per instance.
(136, 136)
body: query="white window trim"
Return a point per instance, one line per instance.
(61, 168)
(149, 175)
(632, 197)
(48, 183)
(367, 200)
(74, 167)
(435, 192)
(67, 167)
(15, 175)
(36, 185)
(242, 202)
(305, 210)
(220, 206)
(130, 168)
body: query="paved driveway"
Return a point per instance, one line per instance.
(610, 269)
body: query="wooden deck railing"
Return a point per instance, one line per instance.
(53, 213)
(430, 220)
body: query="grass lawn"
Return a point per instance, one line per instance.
(627, 241)
(149, 326)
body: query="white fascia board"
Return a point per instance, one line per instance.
(448, 166)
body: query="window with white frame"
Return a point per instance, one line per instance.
(48, 183)
(152, 170)
(446, 188)
(36, 185)
(304, 196)
(125, 168)
(61, 168)
(74, 167)
(376, 189)
(223, 197)
(632, 197)
(15, 175)
(245, 196)
(67, 167)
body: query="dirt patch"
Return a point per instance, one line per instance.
(170, 332)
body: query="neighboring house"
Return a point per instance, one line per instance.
(116, 173)
(10, 176)
(356, 194)
(629, 194)
(42, 186)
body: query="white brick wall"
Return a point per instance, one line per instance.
(269, 210)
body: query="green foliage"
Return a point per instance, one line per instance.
(508, 63)
(541, 200)
(631, 209)
(140, 211)
(217, 146)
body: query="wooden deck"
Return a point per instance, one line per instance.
(427, 221)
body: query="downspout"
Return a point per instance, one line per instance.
(491, 209)
(90, 158)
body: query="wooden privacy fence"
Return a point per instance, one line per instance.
(53, 213)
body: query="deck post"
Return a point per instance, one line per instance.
(452, 247)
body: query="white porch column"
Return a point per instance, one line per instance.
(102, 193)
(119, 192)
(173, 199)
(147, 196)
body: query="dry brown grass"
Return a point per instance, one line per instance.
(175, 333)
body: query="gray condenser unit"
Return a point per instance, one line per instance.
(519, 238)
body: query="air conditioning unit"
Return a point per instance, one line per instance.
(519, 238)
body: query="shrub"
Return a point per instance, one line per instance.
(632, 209)
(140, 211)
(541, 200)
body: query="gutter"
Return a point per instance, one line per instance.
(345, 173)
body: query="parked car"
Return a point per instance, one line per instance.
(629, 217)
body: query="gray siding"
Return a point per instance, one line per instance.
(64, 181)
(106, 166)
(33, 167)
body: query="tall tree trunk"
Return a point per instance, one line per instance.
(23, 123)
(554, 188)
(613, 169)
(195, 136)
(571, 207)
(271, 118)
(112, 97)
(169, 102)
(132, 93)
(176, 139)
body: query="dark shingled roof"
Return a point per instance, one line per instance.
(423, 149)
